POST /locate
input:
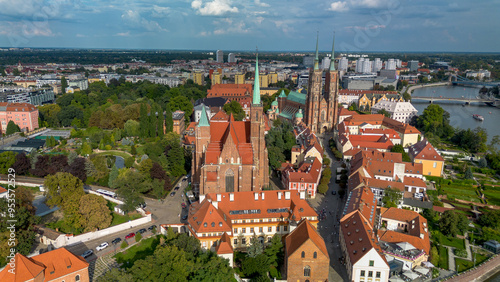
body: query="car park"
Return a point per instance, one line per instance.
(102, 246)
(87, 253)
(141, 230)
(150, 228)
(130, 235)
(116, 241)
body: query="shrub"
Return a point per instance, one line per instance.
(124, 244)
(460, 253)
(138, 237)
(323, 188)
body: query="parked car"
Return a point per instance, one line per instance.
(183, 205)
(176, 188)
(184, 217)
(184, 179)
(141, 230)
(130, 235)
(333, 192)
(142, 205)
(102, 246)
(87, 253)
(151, 227)
(116, 241)
(172, 194)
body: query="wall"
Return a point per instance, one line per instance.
(428, 166)
(319, 266)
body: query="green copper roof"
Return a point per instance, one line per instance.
(299, 114)
(332, 62)
(297, 97)
(282, 94)
(256, 83)
(316, 59)
(277, 111)
(274, 103)
(203, 118)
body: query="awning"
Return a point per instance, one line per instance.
(396, 279)
(410, 274)
(428, 264)
(405, 246)
(421, 270)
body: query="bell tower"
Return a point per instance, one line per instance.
(314, 93)
(332, 90)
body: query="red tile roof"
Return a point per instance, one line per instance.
(19, 107)
(397, 237)
(306, 172)
(224, 246)
(229, 90)
(2, 190)
(363, 200)
(303, 232)
(418, 229)
(423, 150)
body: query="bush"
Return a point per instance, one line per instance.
(138, 237)
(124, 244)
(322, 188)
(154, 230)
(326, 161)
(460, 253)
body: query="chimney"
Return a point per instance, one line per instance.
(256, 196)
(279, 195)
(262, 194)
(231, 197)
(303, 195)
(287, 195)
(219, 197)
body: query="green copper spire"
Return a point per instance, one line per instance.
(204, 117)
(332, 62)
(316, 59)
(256, 83)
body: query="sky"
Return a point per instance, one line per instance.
(243, 25)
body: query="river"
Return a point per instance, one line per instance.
(461, 116)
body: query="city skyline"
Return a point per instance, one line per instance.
(360, 25)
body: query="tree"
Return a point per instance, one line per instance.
(145, 167)
(115, 275)
(138, 237)
(234, 108)
(483, 163)
(436, 121)
(275, 251)
(22, 164)
(407, 97)
(254, 267)
(175, 155)
(399, 149)
(85, 149)
(182, 103)
(64, 84)
(65, 191)
(169, 122)
(468, 173)
(95, 213)
(12, 128)
(70, 113)
(452, 222)
(131, 185)
(391, 197)
(353, 107)
(434, 256)
(256, 247)
(78, 168)
(384, 112)
(113, 175)
(132, 128)
(143, 121)
(7, 160)
(276, 157)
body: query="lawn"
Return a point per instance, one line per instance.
(114, 153)
(465, 192)
(463, 265)
(493, 196)
(443, 257)
(140, 251)
(118, 218)
(452, 242)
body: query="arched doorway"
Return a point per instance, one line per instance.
(229, 180)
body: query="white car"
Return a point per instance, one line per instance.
(102, 246)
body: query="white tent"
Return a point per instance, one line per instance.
(396, 279)
(428, 264)
(405, 246)
(421, 270)
(410, 274)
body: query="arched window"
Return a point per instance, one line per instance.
(303, 255)
(323, 114)
(307, 271)
(315, 255)
(77, 277)
(229, 180)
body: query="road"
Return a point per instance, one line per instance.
(329, 226)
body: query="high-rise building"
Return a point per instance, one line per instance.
(325, 64)
(308, 61)
(219, 56)
(359, 65)
(216, 78)
(413, 65)
(231, 58)
(390, 64)
(343, 64)
(377, 65)
(367, 66)
(239, 78)
(198, 78)
(398, 63)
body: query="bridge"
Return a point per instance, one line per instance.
(467, 100)
(459, 80)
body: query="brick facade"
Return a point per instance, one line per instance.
(296, 265)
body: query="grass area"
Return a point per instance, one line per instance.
(140, 251)
(451, 242)
(443, 257)
(493, 195)
(463, 192)
(118, 218)
(467, 206)
(463, 265)
(114, 153)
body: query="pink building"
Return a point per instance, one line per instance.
(23, 114)
(305, 178)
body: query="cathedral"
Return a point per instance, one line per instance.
(319, 106)
(231, 156)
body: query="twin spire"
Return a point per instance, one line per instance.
(316, 59)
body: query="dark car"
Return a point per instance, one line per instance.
(87, 253)
(333, 192)
(176, 188)
(116, 241)
(151, 227)
(172, 194)
(184, 217)
(141, 230)
(130, 235)
(183, 205)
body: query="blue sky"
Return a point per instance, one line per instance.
(273, 25)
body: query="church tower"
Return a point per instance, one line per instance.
(202, 135)
(260, 173)
(314, 94)
(332, 90)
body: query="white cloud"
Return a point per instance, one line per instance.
(123, 33)
(357, 27)
(238, 28)
(431, 23)
(160, 12)
(213, 8)
(80, 35)
(338, 6)
(258, 3)
(369, 3)
(134, 19)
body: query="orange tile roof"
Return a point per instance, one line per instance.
(414, 181)
(413, 168)
(19, 107)
(384, 184)
(224, 246)
(306, 172)
(229, 90)
(355, 91)
(2, 190)
(359, 236)
(302, 233)
(423, 150)
(56, 263)
(220, 116)
(204, 217)
(417, 228)
(397, 237)
(363, 200)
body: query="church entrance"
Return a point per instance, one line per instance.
(229, 180)
(324, 129)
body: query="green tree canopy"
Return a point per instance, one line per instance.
(65, 191)
(12, 128)
(234, 108)
(391, 197)
(399, 149)
(95, 213)
(451, 222)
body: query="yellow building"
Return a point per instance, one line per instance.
(239, 78)
(198, 78)
(273, 77)
(424, 153)
(93, 79)
(372, 97)
(216, 78)
(264, 80)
